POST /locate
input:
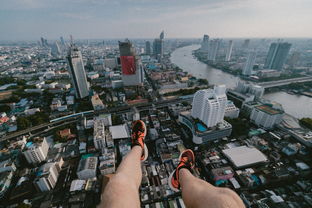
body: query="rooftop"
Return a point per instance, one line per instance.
(268, 109)
(243, 156)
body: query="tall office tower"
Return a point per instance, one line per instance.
(162, 35)
(132, 69)
(158, 48)
(246, 43)
(148, 48)
(294, 59)
(62, 41)
(277, 55)
(56, 49)
(248, 68)
(77, 72)
(209, 105)
(44, 42)
(213, 49)
(205, 44)
(229, 51)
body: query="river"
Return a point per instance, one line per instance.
(297, 106)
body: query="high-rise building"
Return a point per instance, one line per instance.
(248, 68)
(158, 48)
(56, 49)
(277, 55)
(77, 72)
(205, 44)
(246, 43)
(148, 48)
(294, 59)
(209, 105)
(36, 152)
(62, 41)
(47, 176)
(213, 49)
(132, 69)
(229, 51)
(162, 35)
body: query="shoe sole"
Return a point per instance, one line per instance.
(171, 174)
(145, 147)
(193, 158)
(170, 184)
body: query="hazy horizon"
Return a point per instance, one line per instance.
(119, 19)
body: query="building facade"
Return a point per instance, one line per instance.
(248, 67)
(266, 116)
(229, 51)
(36, 152)
(132, 69)
(205, 44)
(209, 105)
(77, 72)
(277, 55)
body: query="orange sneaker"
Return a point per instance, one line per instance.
(137, 137)
(187, 160)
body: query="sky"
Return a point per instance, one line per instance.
(97, 19)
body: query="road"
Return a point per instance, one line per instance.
(115, 110)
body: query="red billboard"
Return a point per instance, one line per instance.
(128, 64)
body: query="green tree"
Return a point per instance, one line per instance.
(23, 123)
(202, 81)
(307, 122)
(5, 108)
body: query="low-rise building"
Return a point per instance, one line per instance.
(266, 116)
(87, 168)
(97, 102)
(231, 111)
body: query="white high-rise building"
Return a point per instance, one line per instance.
(77, 72)
(47, 176)
(248, 68)
(205, 44)
(229, 51)
(209, 105)
(36, 152)
(213, 49)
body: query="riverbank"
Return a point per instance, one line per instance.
(295, 105)
(223, 66)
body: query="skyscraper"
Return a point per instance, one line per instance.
(77, 72)
(209, 105)
(162, 35)
(277, 55)
(132, 69)
(229, 51)
(63, 41)
(205, 44)
(158, 49)
(158, 46)
(148, 48)
(246, 43)
(56, 49)
(248, 68)
(213, 49)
